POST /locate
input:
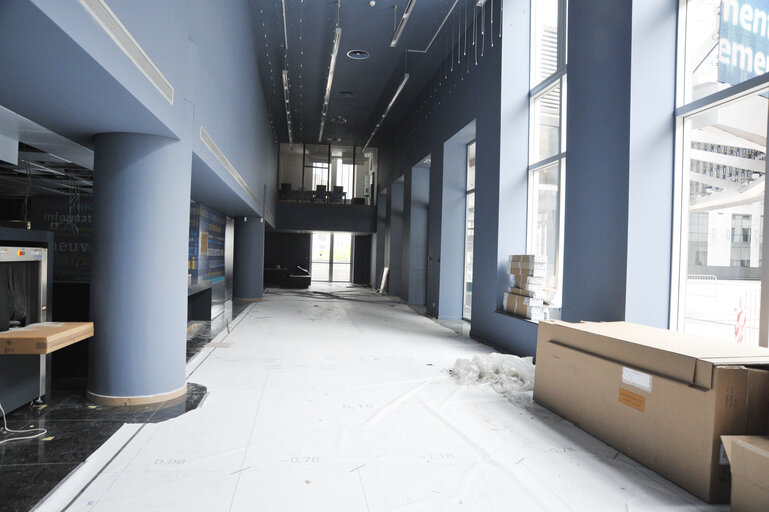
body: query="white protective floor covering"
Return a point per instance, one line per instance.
(345, 403)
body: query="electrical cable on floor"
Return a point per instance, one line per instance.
(12, 431)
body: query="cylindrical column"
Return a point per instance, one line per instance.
(141, 208)
(248, 267)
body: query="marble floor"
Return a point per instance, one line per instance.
(338, 399)
(77, 427)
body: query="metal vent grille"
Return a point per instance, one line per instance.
(115, 29)
(213, 148)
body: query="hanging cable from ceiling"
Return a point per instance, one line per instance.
(465, 27)
(452, 44)
(459, 37)
(483, 29)
(475, 33)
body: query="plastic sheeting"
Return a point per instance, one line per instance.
(345, 403)
(509, 375)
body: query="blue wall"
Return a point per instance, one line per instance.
(449, 103)
(619, 160)
(73, 79)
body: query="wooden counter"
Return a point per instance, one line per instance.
(44, 338)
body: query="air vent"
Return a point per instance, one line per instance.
(213, 148)
(115, 29)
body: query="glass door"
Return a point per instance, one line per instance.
(331, 257)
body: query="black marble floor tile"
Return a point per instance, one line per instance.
(64, 442)
(22, 487)
(85, 410)
(76, 427)
(179, 406)
(203, 332)
(198, 340)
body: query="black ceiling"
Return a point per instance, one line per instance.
(39, 172)
(310, 28)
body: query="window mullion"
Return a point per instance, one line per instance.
(541, 88)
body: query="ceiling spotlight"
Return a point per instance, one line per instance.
(334, 139)
(402, 23)
(358, 54)
(339, 120)
(372, 3)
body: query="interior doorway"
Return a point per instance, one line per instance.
(331, 257)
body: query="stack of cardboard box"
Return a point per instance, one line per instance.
(527, 280)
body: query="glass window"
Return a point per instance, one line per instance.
(724, 161)
(547, 138)
(726, 43)
(546, 124)
(544, 40)
(467, 297)
(545, 212)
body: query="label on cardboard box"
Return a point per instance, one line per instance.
(633, 400)
(637, 379)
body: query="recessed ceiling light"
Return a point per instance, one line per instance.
(339, 120)
(358, 54)
(346, 94)
(334, 139)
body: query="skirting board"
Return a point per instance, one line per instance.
(136, 400)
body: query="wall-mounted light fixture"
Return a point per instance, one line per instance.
(288, 106)
(387, 110)
(331, 67)
(402, 23)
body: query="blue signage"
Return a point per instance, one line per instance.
(743, 42)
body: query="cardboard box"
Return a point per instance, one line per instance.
(527, 307)
(530, 258)
(749, 460)
(661, 397)
(537, 294)
(526, 282)
(528, 269)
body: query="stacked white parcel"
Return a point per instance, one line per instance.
(527, 281)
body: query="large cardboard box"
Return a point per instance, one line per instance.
(661, 397)
(749, 459)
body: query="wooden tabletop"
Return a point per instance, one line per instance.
(44, 338)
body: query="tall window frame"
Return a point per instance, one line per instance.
(698, 99)
(547, 138)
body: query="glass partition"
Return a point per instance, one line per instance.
(316, 173)
(290, 172)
